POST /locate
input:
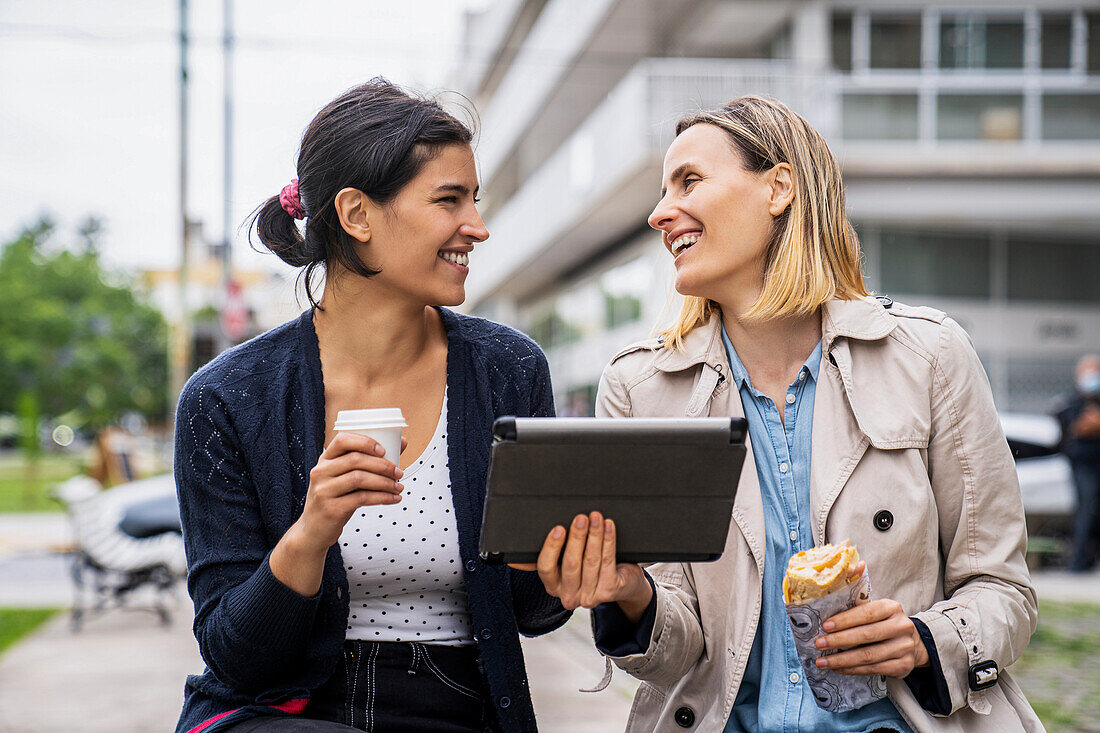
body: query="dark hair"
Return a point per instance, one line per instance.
(375, 137)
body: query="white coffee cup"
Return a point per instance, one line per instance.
(383, 425)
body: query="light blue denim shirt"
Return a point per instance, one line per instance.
(781, 450)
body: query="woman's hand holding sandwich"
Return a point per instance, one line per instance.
(878, 638)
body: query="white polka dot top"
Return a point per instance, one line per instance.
(404, 570)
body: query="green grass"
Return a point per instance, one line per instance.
(16, 495)
(18, 622)
(1060, 670)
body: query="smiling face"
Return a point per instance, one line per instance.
(716, 218)
(420, 243)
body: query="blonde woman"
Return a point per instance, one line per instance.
(869, 421)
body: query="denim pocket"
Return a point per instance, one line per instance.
(423, 655)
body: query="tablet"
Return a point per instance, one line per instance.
(668, 483)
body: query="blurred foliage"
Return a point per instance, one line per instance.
(18, 493)
(75, 341)
(18, 622)
(1059, 671)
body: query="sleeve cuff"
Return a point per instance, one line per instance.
(265, 611)
(616, 635)
(928, 684)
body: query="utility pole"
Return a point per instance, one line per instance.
(180, 358)
(234, 315)
(227, 184)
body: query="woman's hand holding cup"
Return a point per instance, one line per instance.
(350, 473)
(579, 568)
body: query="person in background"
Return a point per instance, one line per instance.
(1080, 421)
(334, 589)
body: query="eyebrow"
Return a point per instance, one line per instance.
(455, 188)
(678, 174)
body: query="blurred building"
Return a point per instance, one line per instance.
(263, 300)
(969, 137)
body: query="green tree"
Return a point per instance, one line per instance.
(75, 340)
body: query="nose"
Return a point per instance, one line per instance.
(661, 216)
(475, 229)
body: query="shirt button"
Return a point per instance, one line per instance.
(783, 468)
(790, 399)
(794, 535)
(802, 376)
(794, 678)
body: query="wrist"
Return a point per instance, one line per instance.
(300, 543)
(920, 651)
(635, 604)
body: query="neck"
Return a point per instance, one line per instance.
(777, 346)
(368, 330)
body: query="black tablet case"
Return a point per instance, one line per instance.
(668, 483)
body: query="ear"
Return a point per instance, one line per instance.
(354, 208)
(781, 181)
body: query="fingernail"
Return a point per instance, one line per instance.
(398, 473)
(379, 450)
(828, 625)
(823, 663)
(820, 643)
(558, 533)
(580, 522)
(608, 526)
(400, 487)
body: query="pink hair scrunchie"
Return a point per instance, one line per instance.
(290, 201)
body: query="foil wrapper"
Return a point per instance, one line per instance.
(833, 691)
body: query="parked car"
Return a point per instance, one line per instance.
(1046, 479)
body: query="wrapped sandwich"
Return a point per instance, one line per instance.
(820, 583)
(819, 571)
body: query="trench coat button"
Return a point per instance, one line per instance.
(884, 520)
(886, 301)
(505, 702)
(471, 566)
(486, 634)
(685, 717)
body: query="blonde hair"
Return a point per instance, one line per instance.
(814, 253)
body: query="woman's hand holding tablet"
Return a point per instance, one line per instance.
(580, 568)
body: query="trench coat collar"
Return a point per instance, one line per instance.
(861, 318)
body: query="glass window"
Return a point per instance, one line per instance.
(934, 263)
(1071, 116)
(1057, 40)
(624, 289)
(1041, 268)
(968, 42)
(879, 116)
(842, 41)
(895, 42)
(979, 116)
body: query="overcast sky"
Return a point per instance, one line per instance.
(89, 104)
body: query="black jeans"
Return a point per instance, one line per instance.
(385, 687)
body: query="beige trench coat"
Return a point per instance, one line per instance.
(903, 421)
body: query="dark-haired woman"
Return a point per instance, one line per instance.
(333, 589)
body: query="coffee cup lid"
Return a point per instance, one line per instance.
(385, 417)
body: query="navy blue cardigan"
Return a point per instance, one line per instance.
(249, 428)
